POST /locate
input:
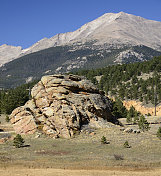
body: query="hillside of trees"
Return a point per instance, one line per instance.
(136, 81)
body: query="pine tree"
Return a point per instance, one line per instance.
(104, 140)
(159, 133)
(143, 124)
(136, 118)
(18, 141)
(131, 114)
(129, 118)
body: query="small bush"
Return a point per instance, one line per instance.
(126, 145)
(159, 133)
(18, 141)
(104, 140)
(118, 157)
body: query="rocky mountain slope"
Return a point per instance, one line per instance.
(61, 105)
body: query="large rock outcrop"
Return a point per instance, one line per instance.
(61, 105)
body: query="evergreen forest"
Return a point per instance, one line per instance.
(135, 81)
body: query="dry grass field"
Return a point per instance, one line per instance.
(67, 172)
(84, 154)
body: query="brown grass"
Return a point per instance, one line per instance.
(62, 172)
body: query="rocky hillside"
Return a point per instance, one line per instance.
(61, 105)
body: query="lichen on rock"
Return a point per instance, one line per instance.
(61, 105)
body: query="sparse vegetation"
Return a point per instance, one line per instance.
(86, 151)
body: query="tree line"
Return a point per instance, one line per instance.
(13, 98)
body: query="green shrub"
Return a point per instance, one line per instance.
(159, 133)
(126, 145)
(18, 141)
(104, 140)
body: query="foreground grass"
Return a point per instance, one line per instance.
(85, 151)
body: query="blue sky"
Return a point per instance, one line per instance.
(24, 22)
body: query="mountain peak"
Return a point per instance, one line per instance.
(111, 28)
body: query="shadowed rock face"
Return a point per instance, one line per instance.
(60, 106)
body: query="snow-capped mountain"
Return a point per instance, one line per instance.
(114, 29)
